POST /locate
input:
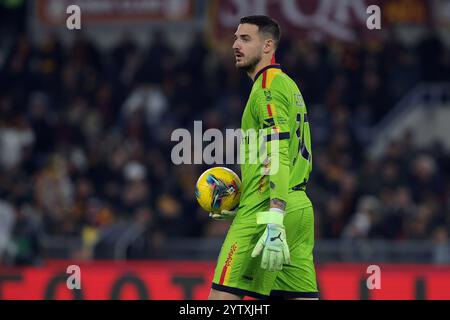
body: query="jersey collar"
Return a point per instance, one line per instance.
(270, 66)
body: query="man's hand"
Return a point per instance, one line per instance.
(273, 242)
(223, 215)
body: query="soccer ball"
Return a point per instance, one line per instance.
(218, 189)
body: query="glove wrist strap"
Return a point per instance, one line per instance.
(270, 217)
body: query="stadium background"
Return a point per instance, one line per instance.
(86, 117)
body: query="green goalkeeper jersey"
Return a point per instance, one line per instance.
(276, 114)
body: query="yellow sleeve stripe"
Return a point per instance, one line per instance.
(271, 73)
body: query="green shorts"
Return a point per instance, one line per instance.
(238, 273)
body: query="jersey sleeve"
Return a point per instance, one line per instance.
(272, 105)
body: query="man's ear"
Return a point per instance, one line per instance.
(269, 45)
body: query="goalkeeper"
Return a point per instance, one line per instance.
(268, 250)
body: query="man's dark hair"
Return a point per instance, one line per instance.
(266, 25)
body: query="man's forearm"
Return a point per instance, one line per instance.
(279, 180)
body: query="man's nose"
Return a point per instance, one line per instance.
(236, 45)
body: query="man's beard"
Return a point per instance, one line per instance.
(251, 65)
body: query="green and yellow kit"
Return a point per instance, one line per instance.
(276, 109)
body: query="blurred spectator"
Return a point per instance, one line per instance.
(151, 100)
(53, 194)
(367, 215)
(425, 181)
(7, 221)
(14, 138)
(442, 246)
(26, 236)
(170, 217)
(135, 192)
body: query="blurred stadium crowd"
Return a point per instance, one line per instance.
(85, 140)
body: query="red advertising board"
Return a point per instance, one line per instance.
(342, 20)
(54, 12)
(191, 280)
